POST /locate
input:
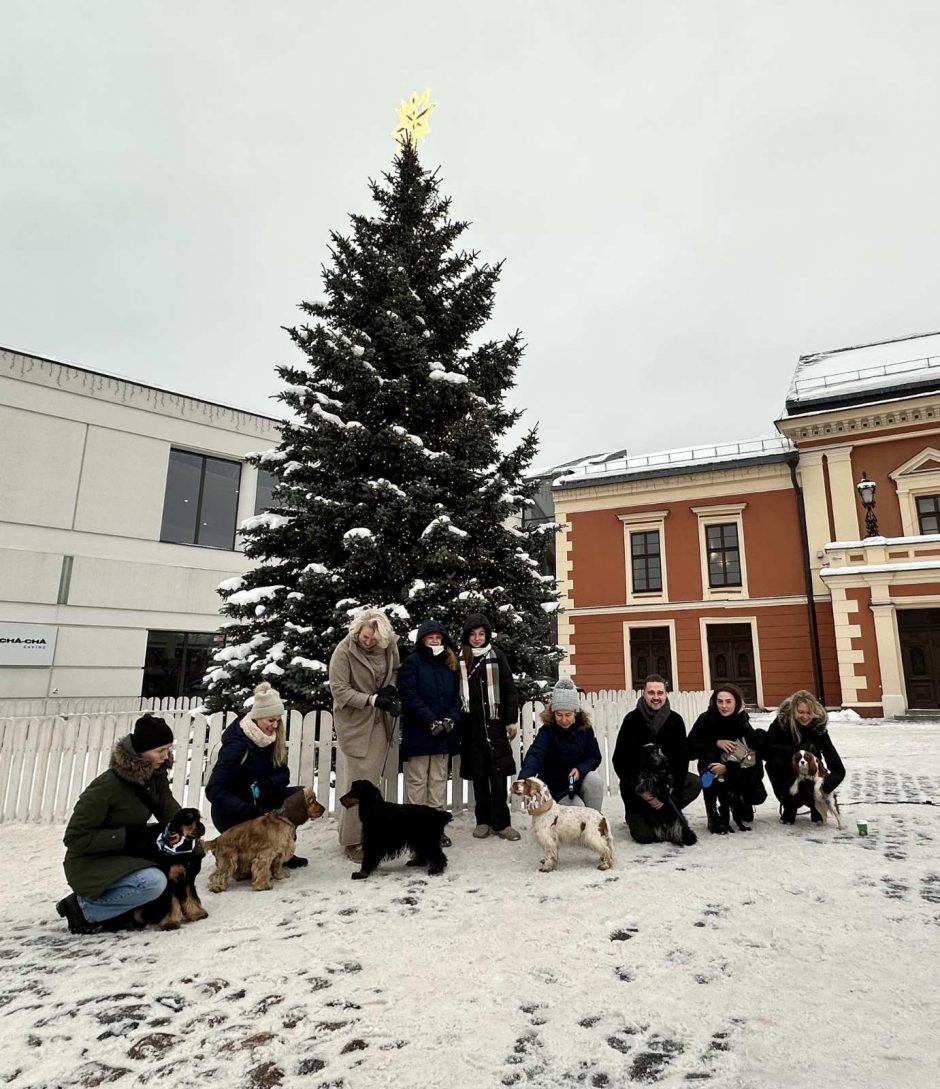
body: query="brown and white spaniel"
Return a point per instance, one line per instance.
(554, 824)
(808, 767)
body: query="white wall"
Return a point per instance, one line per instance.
(85, 459)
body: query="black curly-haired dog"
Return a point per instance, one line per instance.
(668, 823)
(177, 852)
(389, 829)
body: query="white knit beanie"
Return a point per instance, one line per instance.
(565, 696)
(267, 703)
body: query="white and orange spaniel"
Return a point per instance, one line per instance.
(554, 824)
(807, 767)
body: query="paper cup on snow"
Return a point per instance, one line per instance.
(863, 828)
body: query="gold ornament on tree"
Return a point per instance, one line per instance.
(413, 116)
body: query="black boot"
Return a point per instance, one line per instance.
(788, 812)
(814, 815)
(716, 807)
(295, 862)
(743, 814)
(71, 912)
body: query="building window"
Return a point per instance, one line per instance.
(928, 513)
(724, 554)
(201, 504)
(176, 662)
(646, 559)
(264, 495)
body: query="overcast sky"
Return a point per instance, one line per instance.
(688, 195)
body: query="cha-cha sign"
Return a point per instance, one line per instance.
(27, 644)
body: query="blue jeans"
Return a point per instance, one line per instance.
(139, 887)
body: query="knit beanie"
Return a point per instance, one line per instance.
(150, 733)
(565, 696)
(267, 703)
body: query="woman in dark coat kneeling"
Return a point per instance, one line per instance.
(801, 723)
(724, 743)
(490, 710)
(109, 845)
(251, 777)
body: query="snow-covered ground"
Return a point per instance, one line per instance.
(783, 957)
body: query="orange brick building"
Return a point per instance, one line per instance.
(749, 562)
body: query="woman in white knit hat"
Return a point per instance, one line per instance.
(565, 754)
(250, 776)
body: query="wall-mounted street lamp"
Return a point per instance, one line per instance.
(866, 490)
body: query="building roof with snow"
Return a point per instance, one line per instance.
(866, 373)
(684, 461)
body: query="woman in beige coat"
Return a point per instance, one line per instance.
(363, 671)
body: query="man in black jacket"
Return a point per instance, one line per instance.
(652, 722)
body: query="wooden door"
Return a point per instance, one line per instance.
(650, 652)
(919, 631)
(731, 658)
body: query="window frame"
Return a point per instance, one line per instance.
(935, 496)
(645, 522)
(204, 459)
(715, 515)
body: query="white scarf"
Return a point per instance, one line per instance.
(485, 657)
(254, 733)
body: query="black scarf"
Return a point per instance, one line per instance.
(655, 720)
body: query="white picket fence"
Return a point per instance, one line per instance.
(47, 760)
(14, 707)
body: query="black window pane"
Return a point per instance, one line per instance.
(713, 536)
(928, 513)
(264, 496)
(181, 504)
(176, 662)
(647, 576)
(219, 507)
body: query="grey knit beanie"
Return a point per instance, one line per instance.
(565, 696)
(267, 703)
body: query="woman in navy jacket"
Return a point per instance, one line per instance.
(565, 754)
(250, 776)
(430, 705)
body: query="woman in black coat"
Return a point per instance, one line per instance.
(800, 724)
(490, 710)
(721, 734)
(250, 776)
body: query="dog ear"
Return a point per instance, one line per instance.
(545, 795)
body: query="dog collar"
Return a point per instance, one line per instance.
(537, 810)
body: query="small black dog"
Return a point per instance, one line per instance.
(667, 823)
(389, 829)
(176, 851)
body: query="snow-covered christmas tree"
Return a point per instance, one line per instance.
(393, 490)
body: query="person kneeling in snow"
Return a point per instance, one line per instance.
(250, 777)
(109, 843)
(565, 754)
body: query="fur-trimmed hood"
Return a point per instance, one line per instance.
(582, 719)
(128, 765)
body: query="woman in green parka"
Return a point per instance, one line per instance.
(109, 846)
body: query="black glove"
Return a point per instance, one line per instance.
(388, 703)
(388, 690)
(139, 840)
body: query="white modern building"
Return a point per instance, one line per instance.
(119, 504)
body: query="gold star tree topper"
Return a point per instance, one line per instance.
(413, 116)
